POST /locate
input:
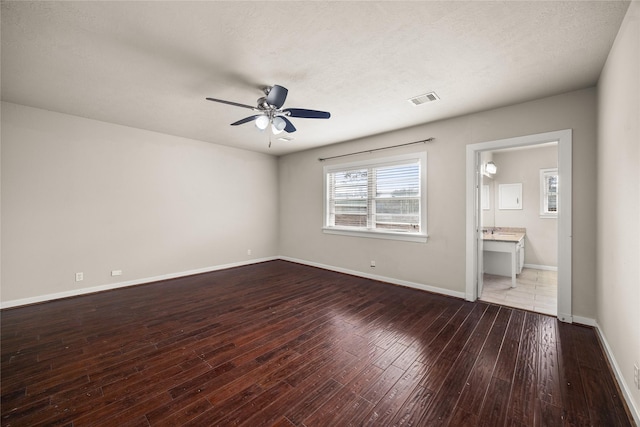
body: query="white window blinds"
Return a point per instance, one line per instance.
(549, 192)
(383, 196)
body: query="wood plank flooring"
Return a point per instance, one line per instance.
(281, 344)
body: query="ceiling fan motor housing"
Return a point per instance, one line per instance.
(276, 96)
(262, 103)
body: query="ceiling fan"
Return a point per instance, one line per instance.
(270, 112)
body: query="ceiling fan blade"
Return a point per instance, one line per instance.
(232, 103)
(289, 128)
(246, 120)
(307, 114)
(277, 95)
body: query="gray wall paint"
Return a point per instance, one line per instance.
(441, 261)
(618, 231)
(80, 195)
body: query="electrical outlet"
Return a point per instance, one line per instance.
(79, 277)
(116, 272)
(373, 263)
(636, 375)
(248, 251)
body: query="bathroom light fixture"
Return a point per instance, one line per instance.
(490, 168)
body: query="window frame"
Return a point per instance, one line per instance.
(421, 236)
(544, 195)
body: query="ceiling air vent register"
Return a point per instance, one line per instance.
(423, 99)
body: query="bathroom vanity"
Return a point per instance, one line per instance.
(503, 251)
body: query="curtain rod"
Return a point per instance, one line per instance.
(322, 159)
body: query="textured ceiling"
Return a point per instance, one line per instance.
(150, 65)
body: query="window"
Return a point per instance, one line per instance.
(383, 198)
(549, 193)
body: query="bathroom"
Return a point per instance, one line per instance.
(519, 210)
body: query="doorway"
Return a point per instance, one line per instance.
(528, 175)
(474, 243)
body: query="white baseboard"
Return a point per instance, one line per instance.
(424, 287)
(541, 267)
(142, 281)
(110, 286)
(565, 317)
(626, 391)
(585, 321)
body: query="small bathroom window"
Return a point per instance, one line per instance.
(549, 193)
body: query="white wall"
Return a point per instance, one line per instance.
(523, 166)
(618, 262)
(80, 195)
(441, 261)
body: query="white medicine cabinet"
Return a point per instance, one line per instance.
(510, 196)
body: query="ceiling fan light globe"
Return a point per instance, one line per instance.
(262, 122)
(278, 125)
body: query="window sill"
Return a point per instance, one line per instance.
(407, 237)
(549, 216)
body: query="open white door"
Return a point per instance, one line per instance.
(474, 214)
(478, 222)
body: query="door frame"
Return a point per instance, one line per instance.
(474, 202)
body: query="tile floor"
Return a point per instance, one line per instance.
(536, 290)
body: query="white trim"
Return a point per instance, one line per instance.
(626, 391)
(420, 286)
(471, 270)
(373, 234)
(565, 231)
(111, 286)
(541, 267)
(564, 140)
(486, 198)
(587, 321)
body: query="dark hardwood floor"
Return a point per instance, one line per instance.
(281, 344)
